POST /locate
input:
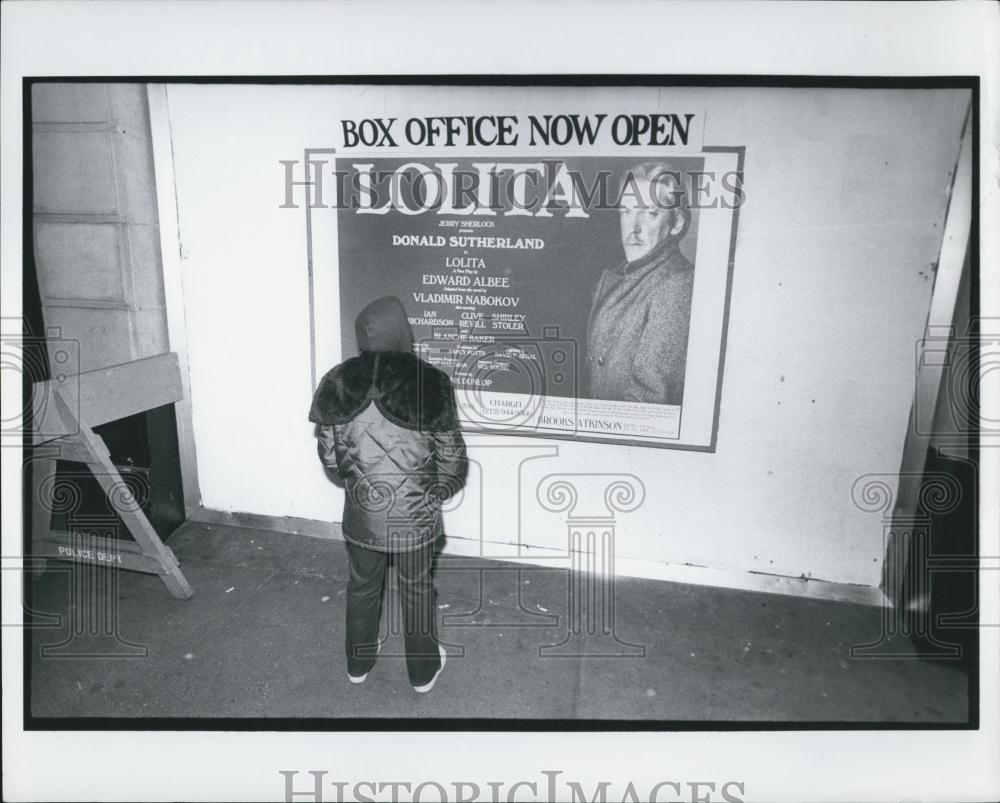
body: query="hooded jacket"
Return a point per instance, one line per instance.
(388, 426)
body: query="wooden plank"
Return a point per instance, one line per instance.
(108, 394)
(84, 534)
(136, 522)
(98, 551)
(149, 554)
(72, 449)
(952, 259)
(129, 511)
(177, 583)
(121, 499)
(49, 422)
(173, 292)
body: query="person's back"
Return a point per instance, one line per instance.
(388, 426)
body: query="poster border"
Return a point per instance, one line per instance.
(672, 443)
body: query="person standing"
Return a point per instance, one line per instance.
(388, 427)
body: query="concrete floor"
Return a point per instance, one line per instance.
(263, 636)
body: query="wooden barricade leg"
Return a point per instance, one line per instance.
(125, 504)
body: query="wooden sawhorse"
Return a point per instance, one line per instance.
(66, 410)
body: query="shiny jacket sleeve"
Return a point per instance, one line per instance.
(451, 461)
(328, 447)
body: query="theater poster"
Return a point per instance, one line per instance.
(570, 272)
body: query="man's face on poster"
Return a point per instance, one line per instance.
(646, 220)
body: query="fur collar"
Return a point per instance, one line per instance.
(408, 391)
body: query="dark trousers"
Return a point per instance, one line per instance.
(415, 583)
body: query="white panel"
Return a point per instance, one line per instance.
(846, 192)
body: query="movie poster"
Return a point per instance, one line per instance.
(567, 295)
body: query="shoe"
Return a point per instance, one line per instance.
(361, 678)
(430, 684)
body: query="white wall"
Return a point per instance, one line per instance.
(846, 190)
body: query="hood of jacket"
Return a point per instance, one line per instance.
(383, 326)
